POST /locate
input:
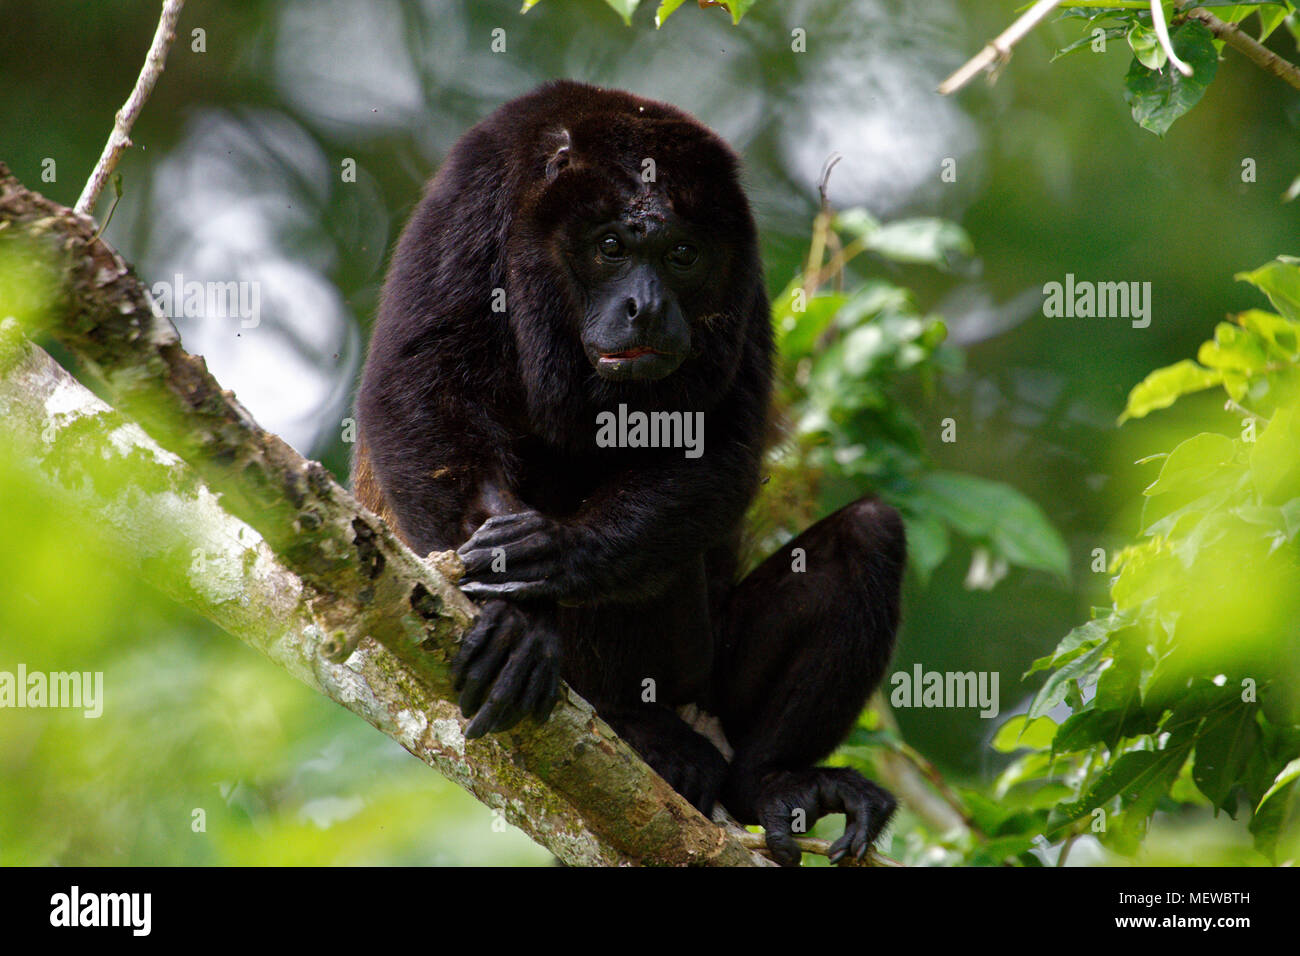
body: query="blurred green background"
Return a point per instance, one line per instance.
(236, 176)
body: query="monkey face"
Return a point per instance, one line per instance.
(631, 253)
(638, 270)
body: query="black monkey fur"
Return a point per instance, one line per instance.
(550, 274)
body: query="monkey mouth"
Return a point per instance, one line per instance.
(643, 362)
(635, 351)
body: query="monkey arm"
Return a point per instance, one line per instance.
(627, 541)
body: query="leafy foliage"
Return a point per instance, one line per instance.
(1184, 691)
(1156, 92)
(843, 352)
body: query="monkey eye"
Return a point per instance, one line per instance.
(683, 255)
(611, 247)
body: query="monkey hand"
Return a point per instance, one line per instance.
(508, 666)
(520, 556)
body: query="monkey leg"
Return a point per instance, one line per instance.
(805, 639)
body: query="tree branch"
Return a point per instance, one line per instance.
(1246, 44)
(365, 591)
(101, 469)
(120, 138)
(999, 48)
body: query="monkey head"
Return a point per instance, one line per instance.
(645, 228)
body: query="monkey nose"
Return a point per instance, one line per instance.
(642, 312)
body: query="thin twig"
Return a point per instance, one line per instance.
(1065, 848)
(120, 138)
(999, 48)
(1244, 43)
(814, 845)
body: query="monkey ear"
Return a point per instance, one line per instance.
(559, 154)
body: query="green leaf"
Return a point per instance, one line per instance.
(872, 298)
(857, 222)
(1275, 458)
(1117, 687)
(1235, 12)
(927, 544)
(1280, 281)
(1286, 775)
(1000, 849)
(1079, 641)
(1108, 727)
(1158, 98)
(1276, 824)
(1282, 335)
(798, 332)
(624, 8)
(1020, 732)
(1086, 41)
(1234, 349)
(989, 511)
(666, 9)
(1058, 684)
(1193, 466)
(936, 242)
(1270, 18)
(1139, 778)
(1084, 730)
(1030, 768)
(1222, 752)
(738, 8)
(1146, 46)
(1196, 477)
(1163, 387)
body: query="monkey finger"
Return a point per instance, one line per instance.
(528, 558)
(533, 696)
(480, 676)
(503, 530)
(503, 701)
(861, 841)
(493, 721)
(516, 590)
(861, 824)
(550, 697)
(495, 717)
(506, 520)
(472, 647)
(841, 846)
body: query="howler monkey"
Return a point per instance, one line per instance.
(569, 383)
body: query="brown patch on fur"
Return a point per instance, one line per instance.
(366, 488)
